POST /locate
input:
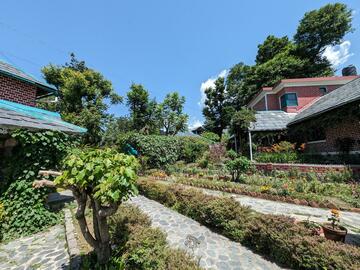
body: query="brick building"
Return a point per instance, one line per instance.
(293, 95)
(339, 135)
(19, 93)
(18, 86)
(294, 102)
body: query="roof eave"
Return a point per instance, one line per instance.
(38, 84)
(321, 112)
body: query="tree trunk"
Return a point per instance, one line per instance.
(101, 229)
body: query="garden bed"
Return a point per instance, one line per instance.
(268, 192)
(138, 245)
(278, 237)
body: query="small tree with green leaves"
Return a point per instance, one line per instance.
(105, 179)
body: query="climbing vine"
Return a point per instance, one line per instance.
(24, 207)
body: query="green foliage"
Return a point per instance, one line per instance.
(116, 126)
(163, 150)
(290, 186)
(270, 48)
(211, 136)
(238, 166)
(280, 58)
(36, 151)
(192, 148)
(83, 94)
(172, 118)
(25, 211)
(143, 112)
(141, 247)
(106, 175)
(281, 157)
(216, 112)
(323, 27)
(287, 243)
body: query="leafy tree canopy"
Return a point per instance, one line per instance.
(216, 111)
(83, 95)
(271, 47)
(143, 112)
(171, 114)
(280, 58)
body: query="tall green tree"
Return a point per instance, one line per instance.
(217, 111)
(84, 95)
(172, 117)
(143, 111)
(323, 27)
(239, 125)
(280, 58)
(114, 127)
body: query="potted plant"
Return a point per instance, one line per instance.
(333, 230)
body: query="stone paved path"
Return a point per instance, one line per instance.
(45, 250)
(351, 220)
(214, 251)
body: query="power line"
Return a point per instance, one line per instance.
(31, 37)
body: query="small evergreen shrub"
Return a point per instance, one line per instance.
(140, 247)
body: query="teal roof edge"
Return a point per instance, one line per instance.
(37, 113)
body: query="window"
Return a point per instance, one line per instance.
(323, 90)
(289, 99)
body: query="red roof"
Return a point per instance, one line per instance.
(334, 78)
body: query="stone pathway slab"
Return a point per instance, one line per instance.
(42, 251)
(214, 250)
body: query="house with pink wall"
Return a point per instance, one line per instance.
(293, 95)
(285, 105)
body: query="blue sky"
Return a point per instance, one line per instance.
(166, 45)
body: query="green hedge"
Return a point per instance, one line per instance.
(164, 150)
(140, 247)
(283, 157)
(277, 237)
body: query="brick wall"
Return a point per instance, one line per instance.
(260, 106)
(349, 128)
(273, 102)
(17, 91)
(268, 167)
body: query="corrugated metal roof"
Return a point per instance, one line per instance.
(8, 69)
(14, 115)
(343, 95)
(271, 120)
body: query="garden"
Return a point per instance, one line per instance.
(145, 194)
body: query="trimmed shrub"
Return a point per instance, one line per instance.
(140, 247)
(282, 157)
(163, 150)
(278, 237)
(192, 148)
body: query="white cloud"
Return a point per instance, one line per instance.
(195, 123)
(339, 54)
(209, 83)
